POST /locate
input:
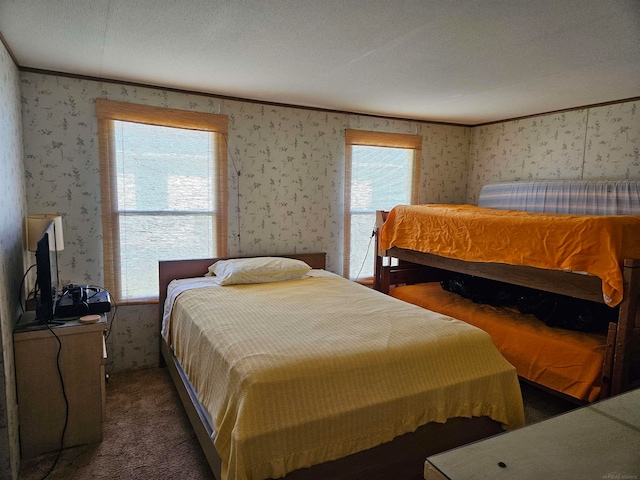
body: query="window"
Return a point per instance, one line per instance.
(382, 170)
(164, 192)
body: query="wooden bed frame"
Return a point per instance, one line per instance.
(402, 458)
(621, 366)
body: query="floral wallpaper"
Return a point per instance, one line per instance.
(286, 169)
(594, 143)
(445, 158)
(12, 255)
(613, 141)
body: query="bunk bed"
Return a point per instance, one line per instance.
(577, 239)
(311, 326)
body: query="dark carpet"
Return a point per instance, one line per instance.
(147, 434)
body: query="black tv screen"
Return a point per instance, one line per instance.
(46, 275)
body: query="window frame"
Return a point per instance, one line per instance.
(375, 139)
(109, 111)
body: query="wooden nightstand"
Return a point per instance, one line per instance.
(41, 402)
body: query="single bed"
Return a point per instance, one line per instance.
(579, 239)
(320, 377)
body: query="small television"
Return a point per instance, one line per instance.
(47, 279)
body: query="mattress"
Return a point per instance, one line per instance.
(301, 372)
(582, 197)
(563, 360)
(592, 244)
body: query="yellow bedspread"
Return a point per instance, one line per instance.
(301, 372)
(593, 244)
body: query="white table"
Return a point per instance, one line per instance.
(598, 441)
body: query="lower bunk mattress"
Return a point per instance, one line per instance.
(304, 371)
(562, 360)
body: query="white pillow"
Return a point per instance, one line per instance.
(258, 270)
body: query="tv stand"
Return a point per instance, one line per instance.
(41, 405)
(37, 325)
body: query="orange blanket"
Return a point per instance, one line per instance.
(563, 360)
(593, 244)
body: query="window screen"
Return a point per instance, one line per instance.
(166, 197)
(382, 171)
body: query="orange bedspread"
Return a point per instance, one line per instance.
(584, 243)
(563, 360)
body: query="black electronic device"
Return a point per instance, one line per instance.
(79, 300)
(46, 290)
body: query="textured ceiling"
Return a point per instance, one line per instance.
(464, 61)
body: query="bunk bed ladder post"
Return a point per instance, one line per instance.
(628, 327)
(379, 272)
(607, 362)
(377, 268)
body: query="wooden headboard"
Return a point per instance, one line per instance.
(169, 270)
